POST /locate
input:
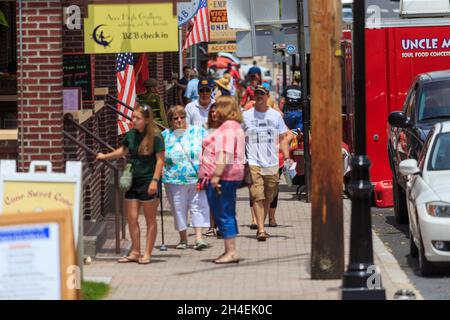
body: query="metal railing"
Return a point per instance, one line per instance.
(110, 107)
(119, 216)
(120, 225)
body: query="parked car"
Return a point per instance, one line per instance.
(427, 102)
(428, 200)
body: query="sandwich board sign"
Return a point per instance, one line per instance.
(37, 257)
(36, 191)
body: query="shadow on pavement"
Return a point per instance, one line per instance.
(271, 236)
(267, 226)
(403, 228)
(245, 262)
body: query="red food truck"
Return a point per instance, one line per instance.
(403, 40)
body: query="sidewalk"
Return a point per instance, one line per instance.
(275, 269)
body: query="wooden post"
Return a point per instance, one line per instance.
(327, 254)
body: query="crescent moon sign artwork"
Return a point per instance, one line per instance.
(99, 37)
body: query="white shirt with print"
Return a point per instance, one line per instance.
(262, 132)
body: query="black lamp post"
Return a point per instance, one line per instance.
(360, 280)
(305, 92)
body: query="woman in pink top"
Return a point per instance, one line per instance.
(222, 171)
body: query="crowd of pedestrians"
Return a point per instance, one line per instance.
(215, 144)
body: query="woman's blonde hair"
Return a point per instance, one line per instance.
(175, 111)
(146, 146)
(228, 109)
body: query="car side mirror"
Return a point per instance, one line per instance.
(399, 120)
(409, 167)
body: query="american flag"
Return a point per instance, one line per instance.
(198, 26)
(126, 90)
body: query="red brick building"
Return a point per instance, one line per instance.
(31, 98)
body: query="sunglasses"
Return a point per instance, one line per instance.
(178, 118)
(260, 93)
(204, 90)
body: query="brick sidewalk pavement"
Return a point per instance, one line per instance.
(275, 269)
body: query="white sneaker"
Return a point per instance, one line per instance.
(182, 245)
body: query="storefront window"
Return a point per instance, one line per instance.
(8, 66)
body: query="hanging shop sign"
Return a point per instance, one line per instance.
(186, 11)
(130, 28)
(222, 47)
(37, 257)
(218, 22)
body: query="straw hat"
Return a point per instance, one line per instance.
(224, 83)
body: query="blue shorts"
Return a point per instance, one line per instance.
(224, 207)
(139, 192)
(294, 119)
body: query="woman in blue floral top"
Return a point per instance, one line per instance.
(183, 148)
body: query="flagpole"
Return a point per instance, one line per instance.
(180, 52)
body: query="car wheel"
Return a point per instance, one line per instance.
(400, 208)
(413, 250)
(426, 267)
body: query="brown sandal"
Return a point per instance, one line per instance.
(128, 259)
(262, 236)
(144, 261)
(214, 260)
(223, 260)
(273, 224)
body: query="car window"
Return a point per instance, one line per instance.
(411, 103)
(440, 156)
(426, 146)
(407, 105)
(435, 100)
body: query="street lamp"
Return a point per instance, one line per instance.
(357, 280)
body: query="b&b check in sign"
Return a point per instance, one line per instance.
(130, 28)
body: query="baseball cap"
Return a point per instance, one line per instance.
(262, 89)
(206, 83)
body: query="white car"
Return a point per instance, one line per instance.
(428, 200)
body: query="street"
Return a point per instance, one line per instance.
(395, 238)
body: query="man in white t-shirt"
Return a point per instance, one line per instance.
(197, 111)
(265, 134)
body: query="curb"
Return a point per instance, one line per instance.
(393, 270)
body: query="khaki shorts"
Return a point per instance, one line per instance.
(264, 183)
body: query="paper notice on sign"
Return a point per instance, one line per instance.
(30, 262)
